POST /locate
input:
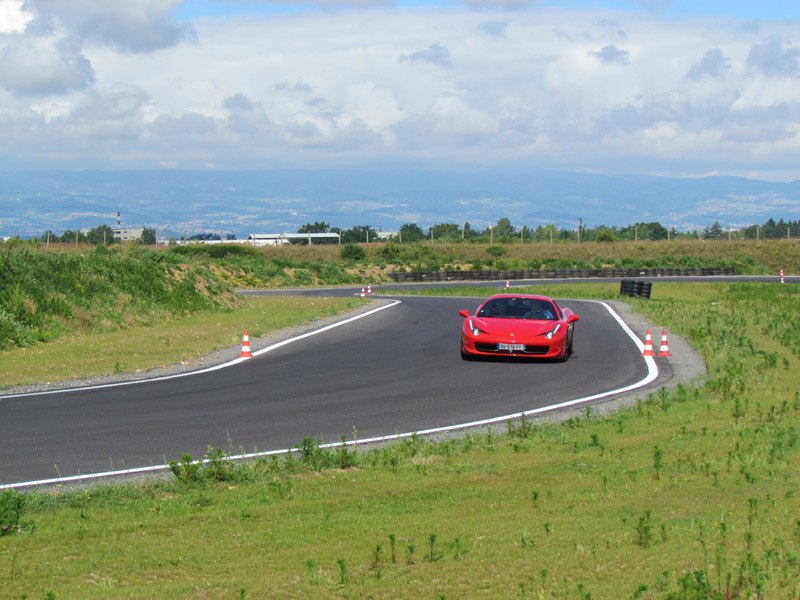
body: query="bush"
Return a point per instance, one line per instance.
(353, 252)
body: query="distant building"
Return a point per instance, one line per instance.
(279, 239)
(131, 234)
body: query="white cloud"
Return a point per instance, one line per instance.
(130, 26)
(14, 16)
(36, 65)
(586, 90)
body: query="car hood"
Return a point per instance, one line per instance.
(525, 327)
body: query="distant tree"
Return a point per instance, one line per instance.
(545, 233)
(604, 234)
(102, 234)
(468, 232)
(148, 236)
(71, 237)
(444, 232)
(714, 232)
(204, 237)
(504, 230)
(410, 232)
(359, 234)
(316, 227)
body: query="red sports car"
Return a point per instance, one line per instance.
(518, 325)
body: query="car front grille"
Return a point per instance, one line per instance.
(529, 349)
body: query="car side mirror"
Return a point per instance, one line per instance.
(572, 319)
(463, 313)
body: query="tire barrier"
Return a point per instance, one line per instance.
(485, 275)
(635, 289)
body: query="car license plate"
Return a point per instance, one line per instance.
(511, 347)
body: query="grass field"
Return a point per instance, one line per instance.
(690, 494)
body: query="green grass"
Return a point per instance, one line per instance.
(172, 340)
(693, 493)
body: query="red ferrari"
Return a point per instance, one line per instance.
(520, 325)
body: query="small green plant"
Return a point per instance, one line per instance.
(377, 561)
(658, 461)
(459, 550)
(433, 554)
(187, 470)
(644, 530)
(12, 507)
(342, 571)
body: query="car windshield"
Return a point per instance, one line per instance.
(518, 308)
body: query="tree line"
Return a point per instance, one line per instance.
(100, 235)
(505, 232)
(502, 232)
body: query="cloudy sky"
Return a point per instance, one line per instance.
(671, 87)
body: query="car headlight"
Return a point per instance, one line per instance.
(475, 331)
(549, 335)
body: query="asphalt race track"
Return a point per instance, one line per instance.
(398, 370)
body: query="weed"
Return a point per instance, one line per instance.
(658, 461)
(433, 553)
(342, 571)
(12, 507)
(644, 530)
(410, 548)
(377, 560)
(187, 470)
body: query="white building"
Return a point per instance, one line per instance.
(279, 239)
(131, 234)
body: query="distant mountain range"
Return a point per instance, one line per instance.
(182, 203)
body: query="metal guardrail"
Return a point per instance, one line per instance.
(495, 275)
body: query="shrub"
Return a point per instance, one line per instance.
(353, 252)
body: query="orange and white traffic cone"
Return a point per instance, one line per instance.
(664, 348)
(363, 293)
(783, 279)
(508, 284)
(369, 290)
(648, 345)
(246, 346)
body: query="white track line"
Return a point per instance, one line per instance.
(652, 374)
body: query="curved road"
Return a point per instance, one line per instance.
(398, 370)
